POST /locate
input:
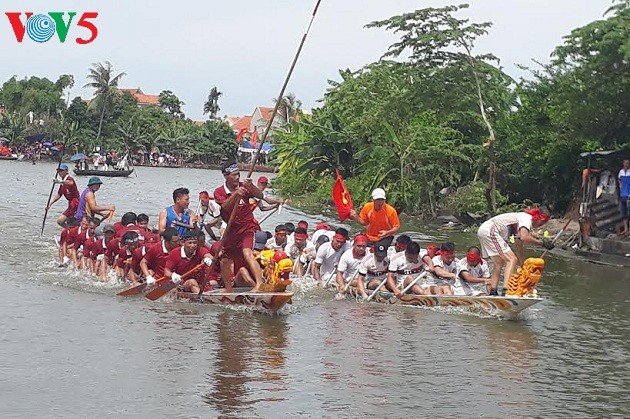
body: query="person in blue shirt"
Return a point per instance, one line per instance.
(624, 196)
(178, 215)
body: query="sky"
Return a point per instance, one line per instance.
(245, 47)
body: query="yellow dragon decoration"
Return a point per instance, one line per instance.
(523, 282)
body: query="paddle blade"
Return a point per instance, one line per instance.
(135, 290)
(161, 290)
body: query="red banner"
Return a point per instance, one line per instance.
(342, 199)
(254, 138)
(239, 136)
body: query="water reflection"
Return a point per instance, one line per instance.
(249, 363)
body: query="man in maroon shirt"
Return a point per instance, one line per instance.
(239, 236)
(64, 251)
(81, 236)
(153, 263)
(130, 241)
(183, 259)
(69, 190)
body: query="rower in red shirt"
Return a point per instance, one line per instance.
(64, 251)
(81, 238)
(153, 263)
(183, 259)
(239, 240)
(130, 243)
(69, 190)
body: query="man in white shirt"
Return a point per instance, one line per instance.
(403, 268)
(445, 269)
(301, 251)
(279, 239)
(212, 210)
(348, 266)
(328, 255)
(493, 236)
(473, 274)
(372, 269)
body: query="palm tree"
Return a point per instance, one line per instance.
(289, 107)
(211, 106)
(105, 85)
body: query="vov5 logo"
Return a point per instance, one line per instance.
(42, 27)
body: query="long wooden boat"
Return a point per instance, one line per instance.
(512, 305)
(272, 301)
(105, 173)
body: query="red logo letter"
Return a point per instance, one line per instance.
(18, 27)
(89, 26)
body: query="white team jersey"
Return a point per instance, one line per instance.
(371, 268)
(401, 266)
(327, 257)
(503, 222)
(348, 264)
(461, 287)
(293, 251)
(452, 268)
(272, 245)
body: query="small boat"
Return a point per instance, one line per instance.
(512, 305)
(8, 157)
(272, 301)
(105, 173)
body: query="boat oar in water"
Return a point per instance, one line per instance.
(52, 188)
(165, 285)
(377, 288)
(414, 282)
(137, 289)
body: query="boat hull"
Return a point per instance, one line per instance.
(105, 173)
(512, 305)
(8, 158)
(272, 301)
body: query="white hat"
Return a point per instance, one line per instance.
(378, 193)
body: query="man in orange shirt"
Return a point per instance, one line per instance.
(380, 219)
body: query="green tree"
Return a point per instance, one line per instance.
(171, 104)
(105, 85)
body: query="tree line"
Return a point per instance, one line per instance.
(431, 116)
(111, 119)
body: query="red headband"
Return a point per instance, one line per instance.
(537, 215)
(473, 258)
(340, 237)
(204, 195)
(360, 239)
(432, 250)
(447, 253)
(301, 235)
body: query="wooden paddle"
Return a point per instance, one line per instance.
(377, 288)
(557, 236)
(164, 285)
(52, 188)
(137, 289)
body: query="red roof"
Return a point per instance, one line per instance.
(141, 97)
(265, 112)
(244, 122)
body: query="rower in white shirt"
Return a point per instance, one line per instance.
(473, 274)
(301, 251)
(328, 255)
(348, 266)
(372, 269)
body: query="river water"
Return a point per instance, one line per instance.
(69, 348)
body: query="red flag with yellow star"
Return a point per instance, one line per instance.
(341, 198)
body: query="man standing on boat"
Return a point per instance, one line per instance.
(234, 195)
(69, 190)
(493, 237)
(624, 196)
(87, 201)
(178, 215)
(381, 219)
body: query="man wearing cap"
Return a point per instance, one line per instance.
(348, 266)
(493, 236)
(68, 189)
(473, 274)
(233, 196)
(87, 201)
(372, 269)
(328, 255)
(381, 219)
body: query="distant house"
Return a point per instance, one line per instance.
(261, 117)
(241, 123)
(142, 98)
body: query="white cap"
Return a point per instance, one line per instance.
(378, 193)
